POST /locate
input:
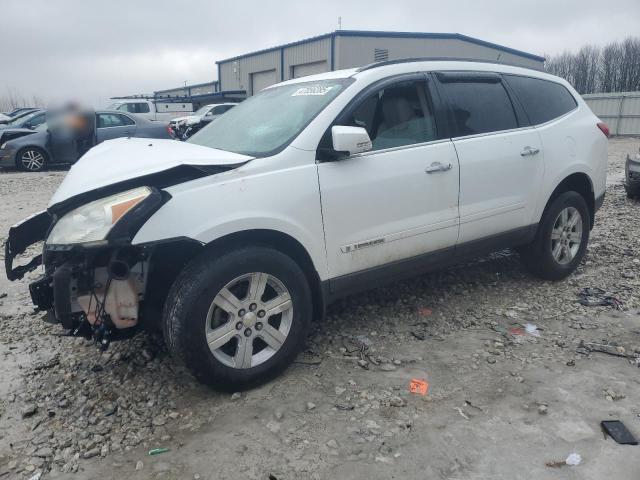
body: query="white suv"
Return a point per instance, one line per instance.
(233, 242)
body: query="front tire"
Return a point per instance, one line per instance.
(31, 159)
(238, 319)
(561, 240)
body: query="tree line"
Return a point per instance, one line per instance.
(592, 69)
(12, 98)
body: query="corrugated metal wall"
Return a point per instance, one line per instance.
(353, 51)
(236, 74)
(314, 56)
(307, 53)
(621, 111)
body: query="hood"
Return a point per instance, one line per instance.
(126, 159)
(188, 120)
(11, 133)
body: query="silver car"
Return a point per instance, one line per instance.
(33, 150)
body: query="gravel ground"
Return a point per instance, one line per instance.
(503, 400)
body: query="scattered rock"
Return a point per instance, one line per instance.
(311, 406)
(139, 465)
(94, 452)
(29, 410)
(236, 396)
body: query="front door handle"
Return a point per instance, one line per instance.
(438, 167)
(529, 151)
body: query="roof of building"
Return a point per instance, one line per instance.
(371, 33)
(195, 85)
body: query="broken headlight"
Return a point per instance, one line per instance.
(92, 222)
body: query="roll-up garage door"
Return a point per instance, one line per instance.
(260, 80)
(305, 69)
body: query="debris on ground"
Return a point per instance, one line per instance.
(532, 329)
(618, 431)
(597, 297)
(418, 386)
(158, 451)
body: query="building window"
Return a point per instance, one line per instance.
(380, 54)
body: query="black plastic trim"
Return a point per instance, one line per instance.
(599, 202)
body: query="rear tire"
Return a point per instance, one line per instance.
(561, 240)
(219, 324)
(31, 159)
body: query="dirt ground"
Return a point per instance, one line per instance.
(503, 400)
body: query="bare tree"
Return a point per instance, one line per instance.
(614, 68)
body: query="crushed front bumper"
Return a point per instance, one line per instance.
(22, 235)
(94, 291)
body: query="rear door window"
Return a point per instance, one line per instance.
(479, 106)
(542, 100)
(106, 120)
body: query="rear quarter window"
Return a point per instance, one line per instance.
(542, 100)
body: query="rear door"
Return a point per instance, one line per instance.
(115, 125)
(500, 155)
(383, 210)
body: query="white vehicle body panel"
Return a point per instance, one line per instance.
(498, 186)
(382, 206)
(278, 193)
(122, 159)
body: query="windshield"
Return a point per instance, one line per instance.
(270, 120)
(114, 106)
(23, 119)
(202, 110)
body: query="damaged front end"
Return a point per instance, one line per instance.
(94, 280)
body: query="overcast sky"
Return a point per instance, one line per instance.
(91, 50)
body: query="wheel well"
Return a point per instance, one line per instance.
(285, 244)
(174, 256)
(581, 183)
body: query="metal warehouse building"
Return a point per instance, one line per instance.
(252, 72)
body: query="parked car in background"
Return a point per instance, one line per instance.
(151, 109)
(313, 189)
(17, 113)
(19, 110)
(29, 121)
(184, 127)
(632, 175)
(34, 150)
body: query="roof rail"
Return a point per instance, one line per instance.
(432, 59)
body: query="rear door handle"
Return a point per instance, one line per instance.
(438, 167)
(529, 151)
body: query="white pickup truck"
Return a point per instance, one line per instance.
(152, 110)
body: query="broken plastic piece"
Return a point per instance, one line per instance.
(532, 329)
(158, 451)
(573, 459)
(418, 386)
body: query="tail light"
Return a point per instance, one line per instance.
(604, 128)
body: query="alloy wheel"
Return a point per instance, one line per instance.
(32, 160)
(566, 235)
(249, 320)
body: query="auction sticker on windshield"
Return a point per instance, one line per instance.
(312, 90)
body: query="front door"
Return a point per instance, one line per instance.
(398, 201)
(500, 155)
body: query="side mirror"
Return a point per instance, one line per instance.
(350, 140)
